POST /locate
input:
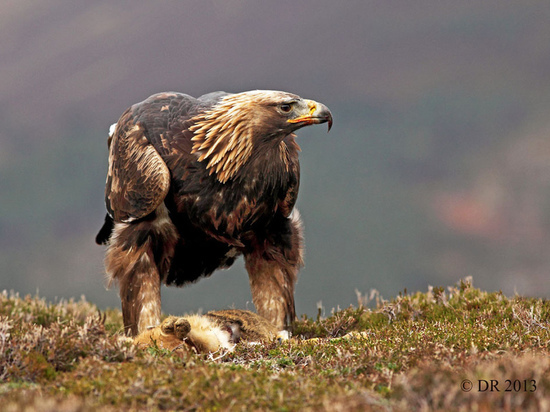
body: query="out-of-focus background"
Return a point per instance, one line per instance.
(437, 167)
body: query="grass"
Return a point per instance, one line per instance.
(419, 351)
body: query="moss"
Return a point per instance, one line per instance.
(409, 352)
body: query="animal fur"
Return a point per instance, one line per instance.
(214, 332)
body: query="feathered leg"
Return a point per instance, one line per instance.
(138, 257)
(273, 264)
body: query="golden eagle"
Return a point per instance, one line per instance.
(192, 184)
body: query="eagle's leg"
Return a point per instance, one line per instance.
(138, 256)
(140, 293)
(273, 264)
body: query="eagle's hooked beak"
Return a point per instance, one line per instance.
(317, 113)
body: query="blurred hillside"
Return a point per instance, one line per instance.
(436, 168)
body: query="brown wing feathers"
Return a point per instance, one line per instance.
(138, 179)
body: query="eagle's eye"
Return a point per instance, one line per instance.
(285, 107)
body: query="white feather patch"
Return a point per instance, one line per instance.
(112, 129)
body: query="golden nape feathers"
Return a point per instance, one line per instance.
(223, 135)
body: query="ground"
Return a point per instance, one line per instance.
(455, 348)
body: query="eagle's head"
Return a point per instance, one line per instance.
(226, 134)
(276, 113)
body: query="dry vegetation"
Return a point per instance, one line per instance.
(414, 352)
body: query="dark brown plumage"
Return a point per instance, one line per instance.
(194, 183)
